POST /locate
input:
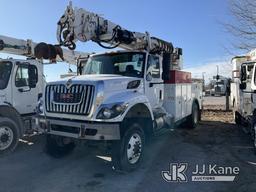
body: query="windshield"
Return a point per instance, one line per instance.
(220, 82)
(127, 64)
(5, 71)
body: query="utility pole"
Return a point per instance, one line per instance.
(203, 80)
(217, 79)
(228, 94)
(203, 88)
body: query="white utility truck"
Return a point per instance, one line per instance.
(243, 95)
(21, 86)
(123, 97)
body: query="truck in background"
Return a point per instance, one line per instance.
(221, 85)
(21, 86)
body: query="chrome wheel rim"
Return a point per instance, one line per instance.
(134, 148)
(6, 137)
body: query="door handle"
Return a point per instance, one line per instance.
(160, 95)
(22, 90)
(152, 84)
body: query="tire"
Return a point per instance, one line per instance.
(128, 153)
(58, 146)
(254, 136)
(9, 135)
(194, 118)
(237, 118)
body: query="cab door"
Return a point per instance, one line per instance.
(154, 87)
(25, 89)
(246, 94)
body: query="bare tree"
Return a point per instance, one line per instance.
(243, 24)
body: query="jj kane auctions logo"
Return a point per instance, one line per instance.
(212, 172)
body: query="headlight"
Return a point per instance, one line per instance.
(40, 106)
(133, 84)
(110, 111)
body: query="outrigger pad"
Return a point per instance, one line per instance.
(48, 51)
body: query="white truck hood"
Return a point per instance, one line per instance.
(111, 82)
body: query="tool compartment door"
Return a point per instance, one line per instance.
(184, 100)
(189, 100)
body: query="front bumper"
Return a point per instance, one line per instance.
(79, 129)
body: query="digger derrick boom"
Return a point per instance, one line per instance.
(81, 25)
(41, 50)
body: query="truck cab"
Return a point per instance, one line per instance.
(19, 80)
(122, 98)
(21, 85)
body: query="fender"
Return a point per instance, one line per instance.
(132, 98)
(146, 104)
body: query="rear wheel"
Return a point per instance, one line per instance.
(58, 146)
(127, 154)
(9, 135)
(193, 119)
(237, 118)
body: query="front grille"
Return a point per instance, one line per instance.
(78, 99)
(217, 89)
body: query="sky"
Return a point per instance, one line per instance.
(194, 25)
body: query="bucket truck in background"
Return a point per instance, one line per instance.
(21, 85)
(124, 96)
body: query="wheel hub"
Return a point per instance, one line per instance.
(6, 137)
(134, 148)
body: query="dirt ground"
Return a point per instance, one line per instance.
(217, 115)
(217, 140)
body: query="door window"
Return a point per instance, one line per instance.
(22, 77)
(154, 66)
(5, 72)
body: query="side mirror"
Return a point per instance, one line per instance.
(166, 66)
(81, 64)
(166, 76)
(149, 77)
(242, 86)
(253, 81)
(79, 67)
(243, 73)
(33, 76)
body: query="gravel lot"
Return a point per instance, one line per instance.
(215, 141)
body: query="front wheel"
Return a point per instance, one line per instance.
(127, 154)
(9, 135)
(58, 146)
